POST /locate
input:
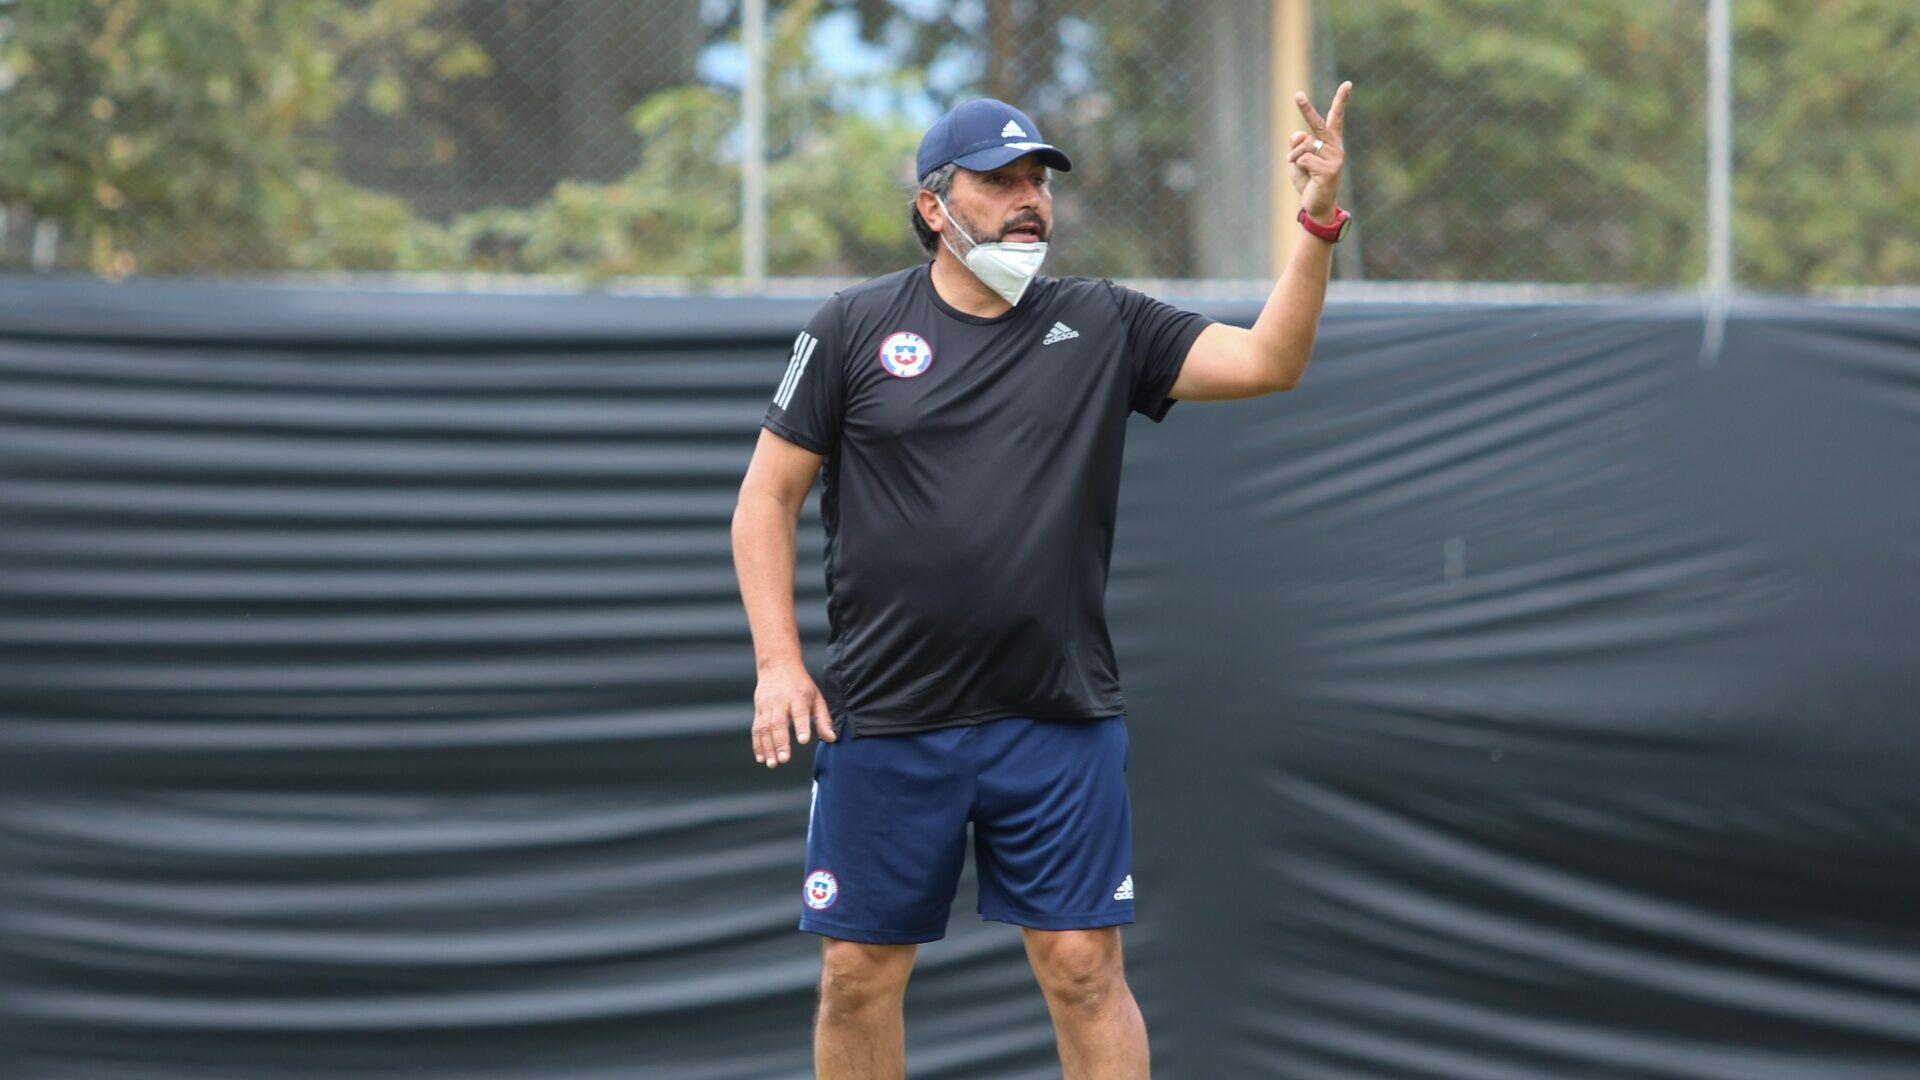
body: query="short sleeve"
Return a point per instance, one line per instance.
(808, 403)
(1159, 336)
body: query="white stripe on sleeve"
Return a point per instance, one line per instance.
(803, 347)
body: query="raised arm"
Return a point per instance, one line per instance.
(1227, 362)
(765, 522)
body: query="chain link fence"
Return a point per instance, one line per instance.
(601, 143)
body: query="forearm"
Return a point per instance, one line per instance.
(764, 532)
(1283, 335)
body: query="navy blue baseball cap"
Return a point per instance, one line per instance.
(984, 134)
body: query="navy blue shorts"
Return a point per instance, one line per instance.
(1052, 829)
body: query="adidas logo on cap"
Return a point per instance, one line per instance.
(1012, 131)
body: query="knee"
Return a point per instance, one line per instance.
(855, 976)
(1077, 968)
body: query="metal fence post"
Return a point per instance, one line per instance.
(753, 164)
(1719, 279)
(1719, 144)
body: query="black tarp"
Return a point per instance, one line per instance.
(1530, 695)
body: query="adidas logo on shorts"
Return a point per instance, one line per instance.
(1125, 891)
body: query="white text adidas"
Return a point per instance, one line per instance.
(1060, 332)
(1125, 891)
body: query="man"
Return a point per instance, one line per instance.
(966, 417)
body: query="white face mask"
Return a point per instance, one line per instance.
(1007, 269)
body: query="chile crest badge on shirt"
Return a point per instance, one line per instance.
(905, 354)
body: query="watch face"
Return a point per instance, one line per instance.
(1345, 224)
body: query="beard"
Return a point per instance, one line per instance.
(1027, 219)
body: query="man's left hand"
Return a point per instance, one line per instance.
(1316, 173)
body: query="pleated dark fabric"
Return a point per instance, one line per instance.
(1530, 695)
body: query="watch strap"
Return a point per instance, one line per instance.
(1332, 234)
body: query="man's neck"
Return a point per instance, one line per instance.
(962, 291)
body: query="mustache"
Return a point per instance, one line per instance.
(1025, 221)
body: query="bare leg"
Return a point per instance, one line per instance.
(860, 1032)
(1101, 1032)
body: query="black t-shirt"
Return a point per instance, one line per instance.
(971, 481)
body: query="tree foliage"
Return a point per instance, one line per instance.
(1510, 140)
(1827, 140)
(183, 136)
(836, 186)
(1491, 139)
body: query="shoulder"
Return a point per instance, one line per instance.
(1079, 291)
(847, 308)
(850, 316)
(878, 292)
(1079, 286)
(1104, 291)
(1141, 307)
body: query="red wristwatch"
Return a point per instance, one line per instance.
(1342, 221)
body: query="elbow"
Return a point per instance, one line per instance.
(738, 533)
(1291, 370)
(1274, 368)
(757, 508)
(744, 515)
(1286, 377)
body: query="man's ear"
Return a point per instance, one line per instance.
(930, 211)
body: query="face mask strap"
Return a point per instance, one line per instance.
(951, 220)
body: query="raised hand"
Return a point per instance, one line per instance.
(1318, 153)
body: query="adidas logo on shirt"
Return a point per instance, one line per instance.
(1125, 891)
(1060, 332)
(1012, 131)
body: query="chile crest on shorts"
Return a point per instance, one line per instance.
(822, 889)
(905, 354)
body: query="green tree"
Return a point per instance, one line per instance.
(1508, 140)
(182, 136)
(1827, 143)
(1111, 80)
(836, 177)
(1505, 140)
(1496, 140)
(1500, 140)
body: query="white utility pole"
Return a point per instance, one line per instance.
(753, 163)
(1718, 285)
(1719, 145)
